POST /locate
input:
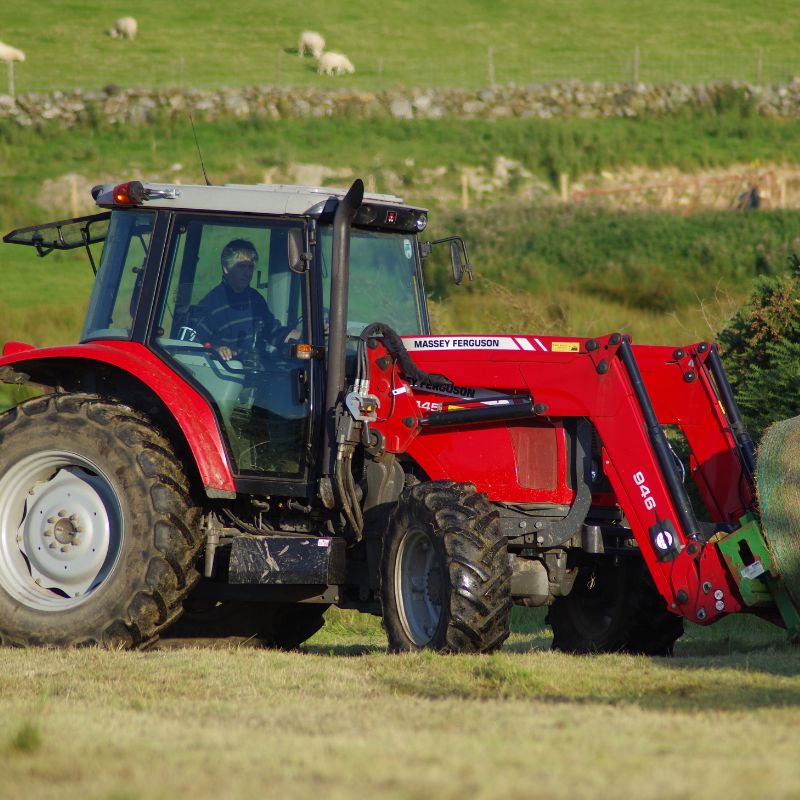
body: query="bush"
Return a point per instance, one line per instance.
(761, 350)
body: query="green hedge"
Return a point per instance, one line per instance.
(761, 350)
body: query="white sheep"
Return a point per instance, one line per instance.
(335, 64)
(9, 53)
(311, 41)
(125, 28)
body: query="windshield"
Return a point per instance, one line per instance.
(384, 281)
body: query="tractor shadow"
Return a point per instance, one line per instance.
(350, 650)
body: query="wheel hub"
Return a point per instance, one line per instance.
(418, 585)
(434, 587)
(60, 529)
(65, 532)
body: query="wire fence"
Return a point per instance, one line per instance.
(477, 69)
(634, 66)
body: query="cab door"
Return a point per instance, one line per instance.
(262, 393)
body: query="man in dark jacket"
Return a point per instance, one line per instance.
(233, 315)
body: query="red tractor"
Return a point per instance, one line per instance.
(341, 454)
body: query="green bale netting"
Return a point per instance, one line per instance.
(778, 479)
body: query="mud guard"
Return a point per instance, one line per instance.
(191, 411)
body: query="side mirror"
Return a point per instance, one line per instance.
(457, 248)
(455, 261)
(296, 257)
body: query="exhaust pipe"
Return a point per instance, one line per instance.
(337, 328)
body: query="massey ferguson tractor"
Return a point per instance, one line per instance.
(154, 482)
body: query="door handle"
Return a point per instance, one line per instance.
(301, 382)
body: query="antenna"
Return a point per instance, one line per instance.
(199, 154)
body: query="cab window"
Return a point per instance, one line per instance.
(116, 290)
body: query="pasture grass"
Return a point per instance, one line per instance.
(446, 43)
(344, 718)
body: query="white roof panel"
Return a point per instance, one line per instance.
(261, 198)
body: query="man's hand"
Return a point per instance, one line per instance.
(225, 353)
(293, 336)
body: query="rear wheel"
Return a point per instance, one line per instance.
(98, 534)
(614, 608)
(445, 572)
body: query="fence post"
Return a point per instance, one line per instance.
(11, 79)
(760, 67)
(464, 191)
(73, 195)
(490, 66)
(563, 181)
(636, 64)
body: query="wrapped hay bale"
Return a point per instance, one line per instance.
(778, 479)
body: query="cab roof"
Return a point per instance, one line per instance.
(261, 198)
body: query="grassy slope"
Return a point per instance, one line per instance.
(253, 42)
(243, 149)
(345, 719)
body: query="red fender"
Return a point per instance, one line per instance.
(191, 411)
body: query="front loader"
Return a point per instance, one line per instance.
(151, 487)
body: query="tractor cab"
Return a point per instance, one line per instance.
(160, 282)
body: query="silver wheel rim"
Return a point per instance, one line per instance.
(61, 530)
(419, 587)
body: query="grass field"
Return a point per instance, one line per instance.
(346, 720)
(446, 43)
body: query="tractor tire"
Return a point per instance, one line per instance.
(445, 571)
(614, 609)
(283, 626)
(98, 534)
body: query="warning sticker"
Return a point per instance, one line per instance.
(565, 347)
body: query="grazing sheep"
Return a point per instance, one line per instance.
(311, 41)
(125, 28)
(9, 53)
(335, 64)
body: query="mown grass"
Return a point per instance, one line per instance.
(250, 42)
(345, 718)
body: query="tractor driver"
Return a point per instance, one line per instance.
(233, 315)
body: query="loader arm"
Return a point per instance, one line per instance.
(628, 393)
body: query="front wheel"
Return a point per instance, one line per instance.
(614, 608)
(445, 571)
(98, 534)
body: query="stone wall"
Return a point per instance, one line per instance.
(561, 99)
